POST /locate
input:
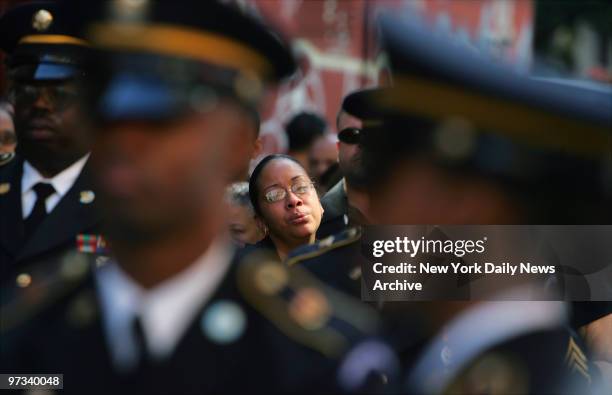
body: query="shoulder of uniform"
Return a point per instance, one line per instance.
(575, 358)
(8, 167)
(6, 158)
(335, 192)
(334, 202)
(38, 287)
(346, 237)
(301, 307)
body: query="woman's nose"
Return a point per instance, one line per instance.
(293, 200)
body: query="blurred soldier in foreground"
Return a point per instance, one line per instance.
(170, 312)
(47, 202)
(465, 142)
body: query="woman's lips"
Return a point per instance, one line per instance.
(299, 219)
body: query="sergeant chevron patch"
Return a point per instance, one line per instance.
(576, 360)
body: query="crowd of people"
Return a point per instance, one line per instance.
(142, 250)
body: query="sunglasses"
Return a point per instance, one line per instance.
(61, 96)
(349, 135)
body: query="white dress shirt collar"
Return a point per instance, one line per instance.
(166, 311)
(62, 182)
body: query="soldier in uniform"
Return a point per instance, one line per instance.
(47, 201)
(171, 312)
(464, 141)
(340, 210)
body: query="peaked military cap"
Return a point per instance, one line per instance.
(465, 111)
(159, 58)
(41, 43)
(358, 104)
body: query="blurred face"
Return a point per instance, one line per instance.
(49, 123)
(161, 178)
(322, 155)
(419, 193)
(295, 217)
(243, 226)
(347, 153)
(8, 140)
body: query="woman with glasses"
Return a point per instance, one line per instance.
(8, 139)
(286, 204)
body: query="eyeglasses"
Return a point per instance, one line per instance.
(277, 194)
(349, 135)
(7, 138)
(61, 96)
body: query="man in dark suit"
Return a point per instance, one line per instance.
(171, 311)
(47, 202)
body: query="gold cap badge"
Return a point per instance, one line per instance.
(42, 20)
(4, 188)
(87, 197)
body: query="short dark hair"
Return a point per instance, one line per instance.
(254, 187)
(303, 129)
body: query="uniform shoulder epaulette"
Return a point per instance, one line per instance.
(303, 308)
(8, 167)
(39, 286)
(320, 247)
(6, 158)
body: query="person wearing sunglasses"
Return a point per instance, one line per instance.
(344, 203)
(286, 204)
(47, 202)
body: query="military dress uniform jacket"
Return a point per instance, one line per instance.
(73, 225)
(536, 356)
(335, 214)
(505, 347)
(335, 260)
(290, 337)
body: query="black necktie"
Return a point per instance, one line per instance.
(39, 212)
(141, 344)
(139, 378)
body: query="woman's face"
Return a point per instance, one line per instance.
(298, 214)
